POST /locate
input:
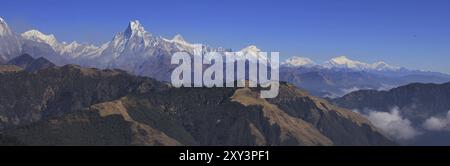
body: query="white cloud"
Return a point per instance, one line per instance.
(385, 87)
(437, 123)
(349, 90)
(393, 124)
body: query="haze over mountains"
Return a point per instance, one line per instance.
(71, 105)
(417, 113)
(143, 53)
(104, 91)
(341, 75)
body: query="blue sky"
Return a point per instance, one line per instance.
(410, 33)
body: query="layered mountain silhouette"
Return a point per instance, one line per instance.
(30, 64)
(335, 79)
(143, 53)
(426, 106)
(27, 63)
(72, 105)
(418, 101)
(116, 94)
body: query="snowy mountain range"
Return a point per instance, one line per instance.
(135, 50)
(341, 62)
(143, 53)
(341, 75)
(136, 45)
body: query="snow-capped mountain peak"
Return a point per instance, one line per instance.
(382, 66)
(65, 50)
(298, 62)
(343, 61)
(178, 38)
(135, 28)
(10, 43)
(184, 45)
(38, 36)
(251, 49)
(346, 63)
(140, 52)
(4, 29)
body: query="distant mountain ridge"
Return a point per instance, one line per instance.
(341, 75)
(340, 62)
(72, 105)
(143, 53)
(336, 82)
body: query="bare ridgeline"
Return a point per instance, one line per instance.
(72, 105)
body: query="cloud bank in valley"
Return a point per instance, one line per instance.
(392, 123)
(436, 123)
(401, 128)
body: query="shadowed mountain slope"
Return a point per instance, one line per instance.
(70, 105)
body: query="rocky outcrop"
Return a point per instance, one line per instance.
(9, 68)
